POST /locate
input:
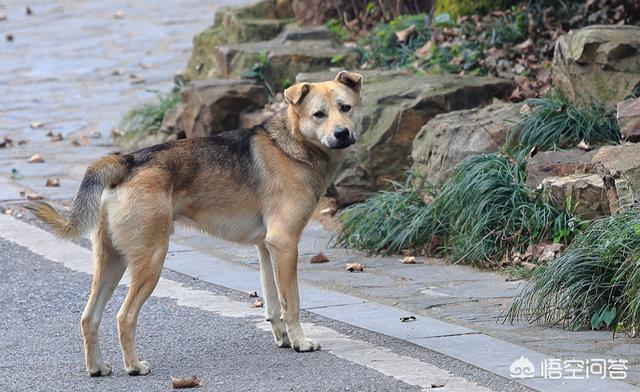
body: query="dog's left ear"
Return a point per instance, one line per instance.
(296, 93)
(350, 79)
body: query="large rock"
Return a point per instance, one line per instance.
(449, 138)
(585, 192)
(558, 163)
(259, 22)
(211, 106)
(619, 167)
(598, 64)
(629, 119)
(395, 108)
(295, 50)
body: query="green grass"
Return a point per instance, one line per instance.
(554, 122)
(145, 120)
(594, 283)
(484, 211)
(388, 222)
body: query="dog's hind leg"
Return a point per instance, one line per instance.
(272, 302)
(108, 270)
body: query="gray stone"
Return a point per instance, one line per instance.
(585, 192)
(619, 167)
(629, 119)
(211, 106)
(451, 137)
(558, 163)
(395, 107)
(598, 64)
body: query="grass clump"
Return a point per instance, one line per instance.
(554, 122)
(388, 222)
(145, 120)
(594, 283)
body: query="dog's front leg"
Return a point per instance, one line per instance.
(284, 256)
(272, 307)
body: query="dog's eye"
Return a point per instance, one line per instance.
(345, 108)
(318, 114)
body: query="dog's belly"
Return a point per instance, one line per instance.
(247, 229)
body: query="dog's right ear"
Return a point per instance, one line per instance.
(296, 93)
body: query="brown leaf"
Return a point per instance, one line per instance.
(135, 79)
(425, 49)
(116, 72)
(34, 196)
(22, 142)
(319, 258)
(54, 136)
(53, 182)
(252, 294)
(257, 304)
(584, 146)
(36, 158)
(145, 65)
(5, 141)
(402, 35)
(355, 267)
(119, 14)
(407, 319)
(328, 211)
(37, 124)
(185, 382)
(84, 140)
(409, 260)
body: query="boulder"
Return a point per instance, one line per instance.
(295, 50)
(259, 22)
(558, 163)
(629, 119)
(211, 106)
(449, 138)
(598, 64)
(585, 192)
(395, 107)
(619, 167)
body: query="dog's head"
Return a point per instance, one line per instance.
(327, 113)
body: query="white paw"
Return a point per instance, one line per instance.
(100, 370)
(305, 344)
(141, 369)
(282, 341)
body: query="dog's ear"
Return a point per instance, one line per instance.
(296, 93)
(350, 79)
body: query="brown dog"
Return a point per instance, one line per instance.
(254, 186)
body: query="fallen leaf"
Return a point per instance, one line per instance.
(5, 141)
(3, 16)
(8, 211)
(53, 182)
(145, 65)
(84, 140)
(116, 72)
(22, 142)
(37, 124)
(402, 35)
(34, 196)
(528, 266)
(319, 258)
(135, 79)
(584, 146)
(95, 134)
(424, 49)
(119, 14)
(76, 143)
(185, 382)
(36, 158)
(407, 319)
(54, 136)
(409, 260)
(355, 267)
(328, 211)
(257, 304)
(252, 294)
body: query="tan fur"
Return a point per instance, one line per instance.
(263, 195)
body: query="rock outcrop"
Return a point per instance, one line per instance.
(598, 64)
(451, 137)
(395, 108)
(560, 163)
(211, 106)
(629, 119)
(619, 167)
(585, 193)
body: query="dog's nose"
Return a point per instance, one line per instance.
(341, 133)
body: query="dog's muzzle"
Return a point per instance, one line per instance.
(341, 138)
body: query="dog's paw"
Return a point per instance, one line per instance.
(283, 341)
(305, 345)
(99, 371)
(143, 368)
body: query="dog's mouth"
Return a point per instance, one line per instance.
(336, 144)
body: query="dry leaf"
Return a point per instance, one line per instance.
(54, 136)
(3, 16)
(36, 158)
(37, 124)
(355, 267)
(4, 142)
(84, 140)
(118, 14)
(328, 211)
(185, 382)
(95, 134)
(402, 35)
(75, 143)
(409, 260)
(252, 294)
(53, 182)
(145, 65)
(34, 196)
(8, 211)
(425, 49)
(319, 258)
(135, 79)
(407, 319)
(22, 142)
(257, 304)
(116, 72)
(584, 146)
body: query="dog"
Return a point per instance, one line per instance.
(255, 186)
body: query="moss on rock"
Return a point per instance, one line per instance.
(457, 8)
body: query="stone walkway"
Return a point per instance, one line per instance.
(59, 70)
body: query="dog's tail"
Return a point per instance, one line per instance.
(107, 171)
